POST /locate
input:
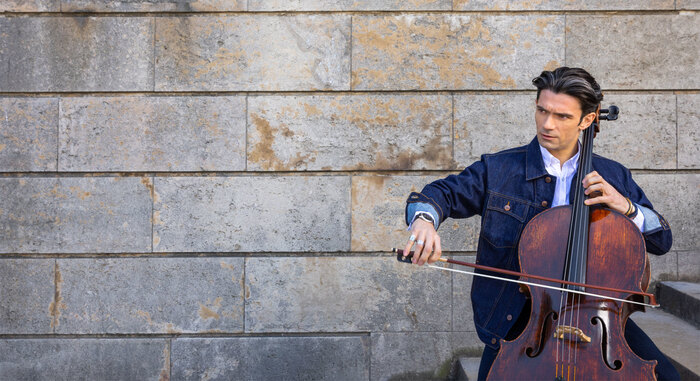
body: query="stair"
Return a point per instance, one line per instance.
(674, 328)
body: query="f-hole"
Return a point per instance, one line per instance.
(617, 364)
(534, 352)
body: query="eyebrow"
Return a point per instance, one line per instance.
(559, 114)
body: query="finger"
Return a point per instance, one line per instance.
(420, 244)
(437, 252)
(407, 248)
(427, 250)
(591, 178)
(599, 187)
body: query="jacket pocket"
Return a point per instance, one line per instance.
(503, 220)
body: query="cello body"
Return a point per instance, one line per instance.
(570, 336)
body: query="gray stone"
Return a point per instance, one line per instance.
(682, 299)
(365, 132)
(153, 5)
(687, 4)
(271, 358)
(162, 295)
(30, 6)
(689, 131)
(293, 213)
(450, 51)
(651, 51)
(378, 208)
(555, 5)
(663, 267)
(84, 359)
(462, 313)
(330, 294)
(152, 134)
(689, 265)
(632, 139)
(28, 129)
(75, 215)
(418, 355)
(76, 54)
(673, 195)
(349, 5)
(27, 289)
(253, 52)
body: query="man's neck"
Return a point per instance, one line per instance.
(562, 156)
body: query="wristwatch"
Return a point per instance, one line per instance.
(425, 217)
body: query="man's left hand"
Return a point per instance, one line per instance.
(601, 192)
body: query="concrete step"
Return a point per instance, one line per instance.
(468, 368)
(681, 299)
(675, 337)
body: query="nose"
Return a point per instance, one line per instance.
(548, 123)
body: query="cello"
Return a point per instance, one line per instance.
(572, 332)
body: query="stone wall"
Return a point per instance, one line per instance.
(207, 189)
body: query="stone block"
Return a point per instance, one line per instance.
(558, 5)
(378, 208)
(84, 359)
(153, 6)
(271, 358)
(280, 213)
(27, 289)
(462, 313)
(358, 132)
(349, 5)
(30, 6)
(689, 131)
(688, 4)
(162, 295)
(76, 54)
(654, 51)
(137, 133)
(663, 267)
(350, 294)
(689, 265)
(632, 140)
(453, 51)
(418, 355)
(28, 134)
(75, 215)
(674, 196)
(253, 52)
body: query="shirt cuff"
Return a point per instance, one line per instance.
(651, 220)
(639, 218)
(420, 207)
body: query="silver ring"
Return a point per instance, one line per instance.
(412, 237)
(419, 242)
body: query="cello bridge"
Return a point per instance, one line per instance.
(565, 329)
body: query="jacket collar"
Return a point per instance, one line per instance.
(534, 166)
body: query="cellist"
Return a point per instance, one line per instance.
(510, 187)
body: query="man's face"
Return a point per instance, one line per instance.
(557, 117)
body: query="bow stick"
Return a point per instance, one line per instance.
(652, 299)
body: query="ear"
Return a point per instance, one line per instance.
(586, 121)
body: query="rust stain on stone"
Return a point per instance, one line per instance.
(146, 181)
(262, 152)
(207, 313)
(57, 303)
(165, 372)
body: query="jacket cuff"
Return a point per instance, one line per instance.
(416, 197)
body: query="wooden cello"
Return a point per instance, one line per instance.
(571, 336)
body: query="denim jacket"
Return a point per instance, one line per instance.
(517, 178)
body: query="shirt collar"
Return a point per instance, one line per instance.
(551, 161)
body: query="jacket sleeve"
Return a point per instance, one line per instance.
(456, 196)
(657, 232)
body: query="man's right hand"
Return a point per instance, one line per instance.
(427, 242)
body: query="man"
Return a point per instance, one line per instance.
(510, 187)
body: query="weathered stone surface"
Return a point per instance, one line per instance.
(418, 355)
(162, 295)
(349, 5)
(84, 359)
(674, 195)
(644, 137)
(27, 289)
(378, 207)
(76, 54)
(75, 215)
(30, 6)
(652, 51)
(663, 267)
(28, 134)
(370, 132)
(152, 134)
(152, 5)
(449, 51)
(252, 214)
(543, 5)
(462, 313)
(256, 52)
(271, 358)
(689, 265)
(332, 294)
(688, 130)
(687, 4)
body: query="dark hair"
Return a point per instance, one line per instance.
(575, 82)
